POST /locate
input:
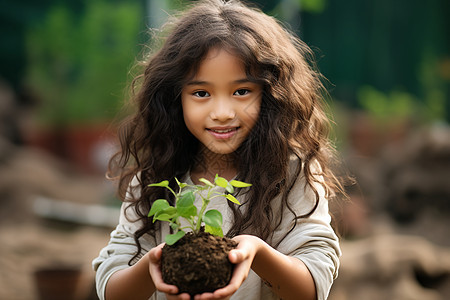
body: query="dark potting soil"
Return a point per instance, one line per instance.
(197, 263)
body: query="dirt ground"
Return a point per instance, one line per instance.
(31, 239)
(381, 259)
(29, 247)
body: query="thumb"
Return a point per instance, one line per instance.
(235, 256)
(155, 254)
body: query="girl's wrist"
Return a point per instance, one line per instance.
(145, 265)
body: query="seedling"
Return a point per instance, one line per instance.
(184, 206)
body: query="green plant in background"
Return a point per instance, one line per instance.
(184, 206)
(289, 10)
(78, 65)
(399, 105)
(386, 107)
(433, 83)
(313, 6)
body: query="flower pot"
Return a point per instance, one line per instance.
(57, 283)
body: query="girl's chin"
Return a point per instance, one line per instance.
(217, 151)
(220, 152)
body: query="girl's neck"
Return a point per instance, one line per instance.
(209, 164)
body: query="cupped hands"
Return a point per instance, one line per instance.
(242, 257)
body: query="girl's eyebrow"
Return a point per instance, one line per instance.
(201, 82)
(244, 80)
(196, 82)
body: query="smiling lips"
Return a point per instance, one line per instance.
(223, 133)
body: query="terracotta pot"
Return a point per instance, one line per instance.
(57, 283)
(86, 147)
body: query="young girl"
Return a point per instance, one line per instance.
(231, 93)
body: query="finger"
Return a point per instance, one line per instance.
(230, 289)
(155, 272)
(204, 296)
(225, 292)
(161, 285)
(220, 297)
(183, 296)
(240, 273)
(155, 253)
(235, 256)
(167, 288)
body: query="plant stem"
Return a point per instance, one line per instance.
(205, 202)
(173, 192)
(200, 214)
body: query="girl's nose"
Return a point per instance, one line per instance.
(223, 110)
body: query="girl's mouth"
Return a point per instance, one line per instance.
(224, 133)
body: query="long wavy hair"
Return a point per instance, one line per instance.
(156, 145)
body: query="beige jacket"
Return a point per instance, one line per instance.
(313, 241)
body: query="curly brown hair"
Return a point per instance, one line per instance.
(156, 145)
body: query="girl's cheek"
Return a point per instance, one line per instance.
(253, 109)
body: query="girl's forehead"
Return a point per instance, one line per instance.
(215, 51)
(210, 54)
(216, 63)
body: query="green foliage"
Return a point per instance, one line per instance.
(78, 65)
(384, 107)
(313, 6)
(289, 10)
(399, 105)
(433, 81)
(184, 207)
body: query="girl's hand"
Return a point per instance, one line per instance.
(155, 272)
(242, 257)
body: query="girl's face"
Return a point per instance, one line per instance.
(220, 104)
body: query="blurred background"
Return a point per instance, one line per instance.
(64, 71)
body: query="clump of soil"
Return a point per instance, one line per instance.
(198, 263)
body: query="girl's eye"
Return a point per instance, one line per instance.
(201, 94)
(241, 92)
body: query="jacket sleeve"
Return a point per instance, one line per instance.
(312, 240)
(120, 249)
(122, 246)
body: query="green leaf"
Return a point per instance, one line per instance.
(158, 206)
(220, 181)
(214, 230)
(232, 199)
(173, 238)
(229, 188)
(206, 181)
(162, 217)
(180, 184)
(213, 218)
(169, 210)
(187, 211)
(166, 214)
(185, 205)
(239, 184)
(186, 200)
(164, 183)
